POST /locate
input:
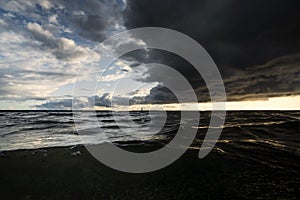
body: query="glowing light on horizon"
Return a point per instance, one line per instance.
(275, 103)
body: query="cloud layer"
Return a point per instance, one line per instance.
(43, 45)
(255, 44)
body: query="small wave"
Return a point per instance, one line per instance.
(247, 124)
(108, 121)
(114, 127)
(52, 122)
(9, 133)
(68, 114)
(104, 115)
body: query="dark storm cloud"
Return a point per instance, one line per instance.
(160, 94)
(236, 33)
(252, 42)
(278, 77)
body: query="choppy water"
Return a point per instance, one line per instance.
(269, 131)
(29, 130)
(260, 151)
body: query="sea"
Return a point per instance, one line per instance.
(258, 151)
(269, 137)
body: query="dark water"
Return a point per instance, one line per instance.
(269, 137)
(38, 129)
(258, 151)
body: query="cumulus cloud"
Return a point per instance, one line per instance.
(62, 48)
(105, 100)
(45, 4)
(63, 104)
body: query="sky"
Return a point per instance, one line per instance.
(47, 48)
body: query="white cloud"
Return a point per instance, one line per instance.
(39, 33)
(21, 5)
(14, 6)
(53, 19)
(26, 72)
(113, 77)
(44, 4)
(2, 23)
(125, 65)
(62, 48)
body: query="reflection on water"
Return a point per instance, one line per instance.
(27, 130)
(271, 136)
(262, 147)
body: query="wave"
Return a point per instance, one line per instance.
(244, 129)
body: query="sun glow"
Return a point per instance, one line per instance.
(275, 103)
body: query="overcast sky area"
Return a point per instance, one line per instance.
(48, 46)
